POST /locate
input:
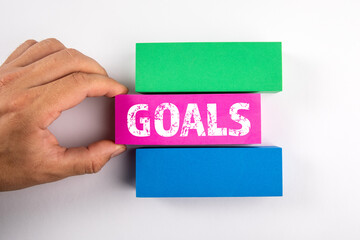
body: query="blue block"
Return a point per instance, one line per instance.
(209, 172)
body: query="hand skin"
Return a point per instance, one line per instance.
(38, 81)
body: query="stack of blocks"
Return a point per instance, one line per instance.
(207, 98)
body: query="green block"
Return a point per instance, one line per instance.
(209, 67)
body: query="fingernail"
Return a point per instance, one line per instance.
(119, 149)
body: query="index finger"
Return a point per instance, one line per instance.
(71, 90)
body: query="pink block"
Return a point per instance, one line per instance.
(187, 119)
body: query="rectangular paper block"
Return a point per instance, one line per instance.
(187, 119)
(209, 67)
(209, 172)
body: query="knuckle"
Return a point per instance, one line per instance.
(8, 77)
(73, 55)
(30, 42)
(54, 42)
(19, 101)
(103, 71)
(94, 166)
(79, 78)
(82, 61)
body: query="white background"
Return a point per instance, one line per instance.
(315, 119)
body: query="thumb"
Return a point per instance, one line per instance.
(91, 159)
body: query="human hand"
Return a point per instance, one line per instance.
(38, 81)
